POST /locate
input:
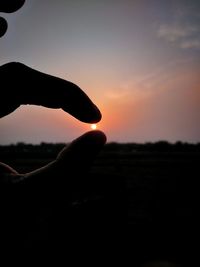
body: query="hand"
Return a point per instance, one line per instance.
(26, 196)
(31, 203)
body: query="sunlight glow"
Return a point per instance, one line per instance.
(93, 126)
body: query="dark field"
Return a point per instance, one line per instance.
(146, 195)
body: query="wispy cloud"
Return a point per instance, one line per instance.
(185, 36)
(120, 92)
(174, 33)
(190, 44)
(182, 27)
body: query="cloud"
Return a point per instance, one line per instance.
(190, 44)
(173, 33)
(184, 36)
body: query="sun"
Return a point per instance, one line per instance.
(93, 126)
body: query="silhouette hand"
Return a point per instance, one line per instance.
(29, 201)
(24, 85)
(62, 181)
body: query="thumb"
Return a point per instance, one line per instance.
(63, 177)
(67, 172)
(73, 159)
(82, 151)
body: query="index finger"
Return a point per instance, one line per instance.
(24, 85)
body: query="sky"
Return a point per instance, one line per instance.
(138, 60)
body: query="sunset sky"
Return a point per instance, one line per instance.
(138, 60)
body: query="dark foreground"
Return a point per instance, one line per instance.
(139, 203)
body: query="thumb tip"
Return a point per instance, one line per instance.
(97, 135)
(89, 143)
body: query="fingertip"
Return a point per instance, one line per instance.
(11, 6)
(95, 138)
(3, 26)
(78, 103)
(97, 135)
(84, 147)
(87, 112)
(96, 115)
